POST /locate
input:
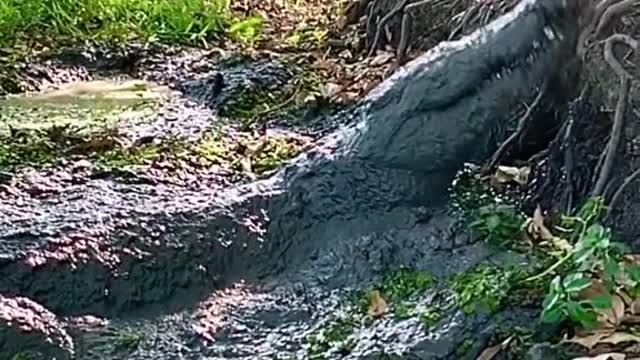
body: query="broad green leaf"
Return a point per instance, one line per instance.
(575, 282)
(555, 285)
(577, 312)
(550, 301)
(552, 315)
(600, 302)
(633, 271)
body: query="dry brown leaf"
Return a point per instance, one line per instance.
(631, 319)
(620, 337)
(377, 304)
(381, 59)
(538, 227)
(507, 174)
(615, 315)
(608, 356)
(591, 339)
(491, 352)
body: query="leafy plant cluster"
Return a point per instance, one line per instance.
(581, 281)
(594, 262)
(484, 287)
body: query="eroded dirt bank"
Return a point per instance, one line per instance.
(155, 262)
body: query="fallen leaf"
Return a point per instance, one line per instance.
(377, 304)
(614, 315)
(591, 339)
(491, 352)
(381, 59)
(538, 229)
(620, 337)
(608, 356)
(507, 174)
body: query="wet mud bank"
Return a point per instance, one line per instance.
(267, 269)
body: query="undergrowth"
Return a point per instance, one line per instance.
(186, 21)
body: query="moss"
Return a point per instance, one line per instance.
(128, 341)
(276, 151)
(398, 288)
(334, 335)
(404, 283)
(464, 348)
(21, 356)
(270, 100)
(431, 316)
(484, 287)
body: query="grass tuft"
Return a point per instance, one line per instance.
(185, 21)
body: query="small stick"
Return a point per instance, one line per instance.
(521, 127)
(371, 10)
(596, 170)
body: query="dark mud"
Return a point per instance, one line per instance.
(268, 270)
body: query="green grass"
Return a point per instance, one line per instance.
(190, 21)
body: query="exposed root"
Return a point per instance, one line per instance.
(618, 120)
(616, 196)
(599, 18)
(567, 142)
(610, 11)
(380, 27)
(522, 125)
(446, 19)
(404, 32)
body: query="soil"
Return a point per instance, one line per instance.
(63, 221)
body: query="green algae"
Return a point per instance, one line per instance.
(334, 335)
(128, 340)
(42, 135)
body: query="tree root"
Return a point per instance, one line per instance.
(616, 196)
(380, 27)
(601, 16)
(618, 121)
(522, 126)
(404, 32)
(458, 14)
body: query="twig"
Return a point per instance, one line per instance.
(618, 118)
(521, 127)
(372, 10)
(616, 196)
(465, 19)
(568, 164)
(596, 169)
(374, 46)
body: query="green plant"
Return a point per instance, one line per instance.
(248, 29)
(187, 21)
(563, 301)
(593, 253)
(21, 356)
(498, 224)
